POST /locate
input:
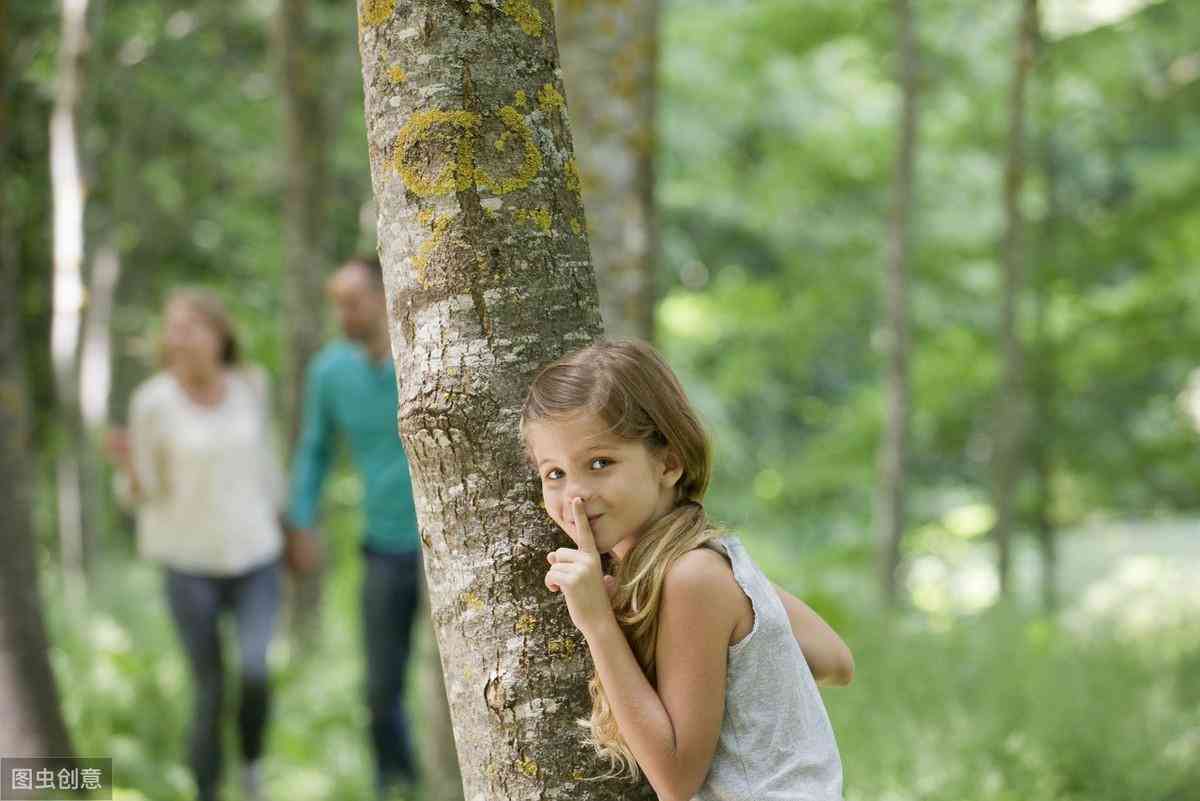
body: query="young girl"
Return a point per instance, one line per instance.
(706, 674)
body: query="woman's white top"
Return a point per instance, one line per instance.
(210, 483)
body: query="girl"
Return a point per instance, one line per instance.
(200, 465)
(706, 674)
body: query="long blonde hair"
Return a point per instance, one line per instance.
(631, 389)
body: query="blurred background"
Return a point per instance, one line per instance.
(947, 374)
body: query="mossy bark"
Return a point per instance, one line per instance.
(485, 253)
(31, 722)
(610, 52)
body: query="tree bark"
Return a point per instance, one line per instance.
(31, 722)
(484, 246)
(609, 56)
(893, 457)
(68, 295)
(1011, 420)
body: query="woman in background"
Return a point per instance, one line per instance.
(199, 465)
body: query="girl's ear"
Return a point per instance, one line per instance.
(672, 468)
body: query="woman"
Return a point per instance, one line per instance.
(200, 466)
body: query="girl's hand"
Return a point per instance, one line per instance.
(578, 574)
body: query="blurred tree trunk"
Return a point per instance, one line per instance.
(609, 56)
(893, 457)
(96, 361)
(484, 245)
(1008, 450)
(68, 293)
(305, 223)
(31, 721)
(1044, 414)
(306, 179)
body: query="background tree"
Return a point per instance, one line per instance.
(893, 455)
(1008, 444)
(609, 52)
(31, 722)
(68, 304)
(481, 231)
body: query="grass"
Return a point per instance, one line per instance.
(1004, 705)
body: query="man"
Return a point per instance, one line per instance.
(351, 390)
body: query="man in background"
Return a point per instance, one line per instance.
(350, 390)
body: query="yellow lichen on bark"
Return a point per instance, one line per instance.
(531, 164)
(528, 767)
(573, 182)
(422, 127)
(539, 218)
(561, 646)
(377, 12)
(526, 623)
(550, 99)
(525, 15)
(522, 100)
(396, 74)
(441, 225)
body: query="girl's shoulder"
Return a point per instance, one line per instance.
(703, 582)
(705, 569)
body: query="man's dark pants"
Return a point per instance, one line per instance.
(391, 593)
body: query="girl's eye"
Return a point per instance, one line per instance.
(601, 461)
(554, 474)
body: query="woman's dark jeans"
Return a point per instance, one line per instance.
(196, 604)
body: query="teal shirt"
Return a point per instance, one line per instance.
(347, 393)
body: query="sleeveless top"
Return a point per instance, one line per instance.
(776, 741)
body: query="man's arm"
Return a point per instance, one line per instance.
(310, 465)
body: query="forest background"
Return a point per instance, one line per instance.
(774, 166)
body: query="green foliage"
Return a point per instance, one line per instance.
(775, 223)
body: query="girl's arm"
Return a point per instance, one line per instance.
(673, 731)
(827, 655)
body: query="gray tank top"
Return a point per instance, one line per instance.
(776, 742)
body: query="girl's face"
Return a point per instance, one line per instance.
(624, 485)
(191, 343)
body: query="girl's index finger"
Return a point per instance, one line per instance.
(583, 530)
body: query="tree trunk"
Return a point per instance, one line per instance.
(305, 221)
(1044, 416)
(1010, 426)
(68, 295)
(31, 722)
(305, 216)
(482, 236)
(609, 57)
(890, 503)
